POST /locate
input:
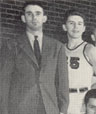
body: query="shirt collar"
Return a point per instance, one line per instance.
(31, 38)
(39, 34)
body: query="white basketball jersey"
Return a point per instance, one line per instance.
(80, 71)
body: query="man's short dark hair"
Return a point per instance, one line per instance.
(90, 94)
(73, 12)
(33, 2)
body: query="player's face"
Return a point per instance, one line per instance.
(75, 26)
(91, 106)
(34, 17)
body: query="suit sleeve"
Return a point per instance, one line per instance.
(62, 81)
(6, 66)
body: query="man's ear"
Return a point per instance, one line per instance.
(84, 29)
(44, 18)
(92, 36)
(64, 27)
(23, 18)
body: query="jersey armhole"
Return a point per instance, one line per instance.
(87, 59)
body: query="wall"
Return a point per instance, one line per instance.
(55, 9)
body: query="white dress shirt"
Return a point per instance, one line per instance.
(31, 39)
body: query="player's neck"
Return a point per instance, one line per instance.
(34, 32)
(73, 43)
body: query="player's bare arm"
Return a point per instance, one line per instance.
(90, 52)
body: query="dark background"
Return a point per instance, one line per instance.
(11, 25)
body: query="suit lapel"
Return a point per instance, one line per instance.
(45, 51)
(26, 47)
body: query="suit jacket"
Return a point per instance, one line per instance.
(18, 69)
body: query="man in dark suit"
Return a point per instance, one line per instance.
(34, 77)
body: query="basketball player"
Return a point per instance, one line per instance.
(81, 58)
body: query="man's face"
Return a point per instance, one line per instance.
(91, 106)
(75, 26)
(34, 17)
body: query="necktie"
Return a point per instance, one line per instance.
(37, 50)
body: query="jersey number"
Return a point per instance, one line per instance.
(74, 62)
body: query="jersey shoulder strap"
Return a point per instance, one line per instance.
(84, 53)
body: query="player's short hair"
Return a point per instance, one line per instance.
(73, 12)
(90, 94)
(33, 2)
